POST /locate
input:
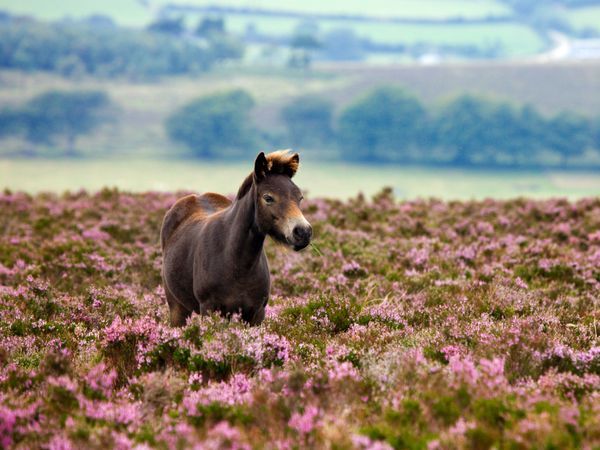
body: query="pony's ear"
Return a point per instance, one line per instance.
(261, 167)
(295, 162)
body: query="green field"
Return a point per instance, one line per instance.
(124, 12)
(588, 17)
(430, 9)
(515, 39)
(318, 179)
(131, 12)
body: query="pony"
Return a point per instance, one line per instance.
(213, 255)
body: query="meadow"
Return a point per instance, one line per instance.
(413, 324)
(130, 12)
(511, 39)
(585, 17)
(514, 39)
(318, 178)
(124, 12)
(428, 9)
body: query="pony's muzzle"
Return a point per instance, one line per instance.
(302, 235)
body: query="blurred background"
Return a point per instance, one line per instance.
(454, 99)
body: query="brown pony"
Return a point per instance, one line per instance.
(213, 257)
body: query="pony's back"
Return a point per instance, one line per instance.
(190, 208)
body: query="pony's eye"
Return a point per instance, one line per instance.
(268, 199)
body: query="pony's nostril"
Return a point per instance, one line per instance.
(302, 233)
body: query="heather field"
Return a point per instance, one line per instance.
(414, 324)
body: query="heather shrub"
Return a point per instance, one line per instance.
(419, 324)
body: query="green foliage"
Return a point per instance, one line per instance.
(77, 49)
(569, 134)
(309, 121)
(210, 26)
(401, 428)
(63, 114)
(10, 122)
(389, 125)
(343, 44)
(387, 121)
(167, 26)
(305, 41)
(475, 129)
(55, 115)
(213, 124)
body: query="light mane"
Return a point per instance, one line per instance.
(281, 162)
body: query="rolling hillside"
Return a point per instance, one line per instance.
(143, 107)
(385, 30)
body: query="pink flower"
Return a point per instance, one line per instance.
(95, 234)
(365, 443)
(7, 424)
(304, 423)
(519, 282)
(100, 380)
(343, 370)
(223, 436)
(60, 443)
(464, 369)
(232, 392)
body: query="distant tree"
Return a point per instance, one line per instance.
(11, 123)
(100, 21)
(308, 120)
(515, 134)
(596, 133)
(213, 124)
(569, 135)
(342, 44)
(63, 114)
(210, 26)
(168, 25)
(478, 131)
(388, 122)
(303, 45)
(523, 7)
(81, 48)
(465, 127)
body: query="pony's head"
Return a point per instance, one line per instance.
(278, 199)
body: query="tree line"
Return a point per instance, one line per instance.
(55, 118)
(391, 125)
(105, 50)
(385, 125)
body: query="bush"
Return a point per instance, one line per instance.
(385, 124)
(214, 124)
(82, 48)
(63, 114)
(56, 114)
(308, 120)
(390, 125)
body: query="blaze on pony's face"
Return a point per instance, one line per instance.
(278, 199)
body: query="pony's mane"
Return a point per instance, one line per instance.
(281, 162)
(245, 187)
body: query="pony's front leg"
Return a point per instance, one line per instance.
(257, 317)
(178, 314)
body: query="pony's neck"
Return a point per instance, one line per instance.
(246, 241)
